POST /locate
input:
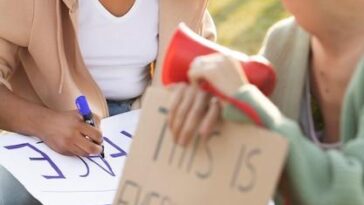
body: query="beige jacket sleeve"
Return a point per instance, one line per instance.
(8, 61)
(208, 31)
(16, 18)
(208, 27)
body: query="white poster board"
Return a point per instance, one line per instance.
(56, 179)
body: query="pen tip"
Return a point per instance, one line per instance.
(103, 152)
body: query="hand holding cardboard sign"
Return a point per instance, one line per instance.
(192, 110)
(238, 165)
(189, 114)
(218, 70)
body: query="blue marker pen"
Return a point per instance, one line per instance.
(85, 111)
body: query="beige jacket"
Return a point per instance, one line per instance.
(40, 58)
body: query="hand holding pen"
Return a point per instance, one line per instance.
(85, 111)
(65, 131)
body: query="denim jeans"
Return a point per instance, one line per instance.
(118, 107)
(12, 192)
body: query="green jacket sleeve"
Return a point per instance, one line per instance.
(315, 176)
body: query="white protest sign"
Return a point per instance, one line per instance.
(56, 179)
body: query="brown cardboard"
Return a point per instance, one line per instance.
(240, 164)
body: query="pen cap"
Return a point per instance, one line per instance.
(82, 106)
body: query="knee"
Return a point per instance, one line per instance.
(9, 185)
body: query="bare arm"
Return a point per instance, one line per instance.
(18, 115)
(62, 131)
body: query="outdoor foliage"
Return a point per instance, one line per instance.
(242, 24)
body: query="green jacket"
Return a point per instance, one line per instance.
(315, 176)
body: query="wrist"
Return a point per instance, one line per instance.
(43, 120)
(267, 111)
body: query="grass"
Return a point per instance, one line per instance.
(242, 24)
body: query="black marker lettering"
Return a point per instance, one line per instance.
(128, 187)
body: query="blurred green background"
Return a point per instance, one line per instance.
(242, 24)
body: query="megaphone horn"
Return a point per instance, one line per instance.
(186, 45)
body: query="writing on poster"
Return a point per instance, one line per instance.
(89, 163)
(242, 179)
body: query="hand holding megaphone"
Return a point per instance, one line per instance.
(220, 71)
(186, 46)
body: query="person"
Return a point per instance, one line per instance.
(317, 105)
(53, 51)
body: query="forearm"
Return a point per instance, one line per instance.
(64, 132)
(315, 176)
(323, 177)
(307, 167)
(21, 116)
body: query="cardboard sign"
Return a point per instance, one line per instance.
(240, 164)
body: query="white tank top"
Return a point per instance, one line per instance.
(118, 50)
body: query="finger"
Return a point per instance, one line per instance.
(97, 120)
(65, 152)
(196, 71)
(203, 67)
(182, 111)
(173, 86)
(175, 100)
(194, 118)
(88, 146)
(91, 132)
(211, 119)
(77, 151)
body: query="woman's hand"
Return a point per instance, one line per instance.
(192, 110)
(64, 132)
(222, 72)
(67, 134)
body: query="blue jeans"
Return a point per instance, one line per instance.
(118, 107)
(12, 192)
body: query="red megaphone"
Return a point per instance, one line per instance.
(186, 45)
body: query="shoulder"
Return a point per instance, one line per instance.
(16, 17)
(287, 47)
(208, 27)
(283, 37)
(353, 109)
(285, 26)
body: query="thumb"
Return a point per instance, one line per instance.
(196, 72)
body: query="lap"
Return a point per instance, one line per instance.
(13, 192)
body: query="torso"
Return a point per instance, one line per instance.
(328, 85)
(118, 50)
(116, 8)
